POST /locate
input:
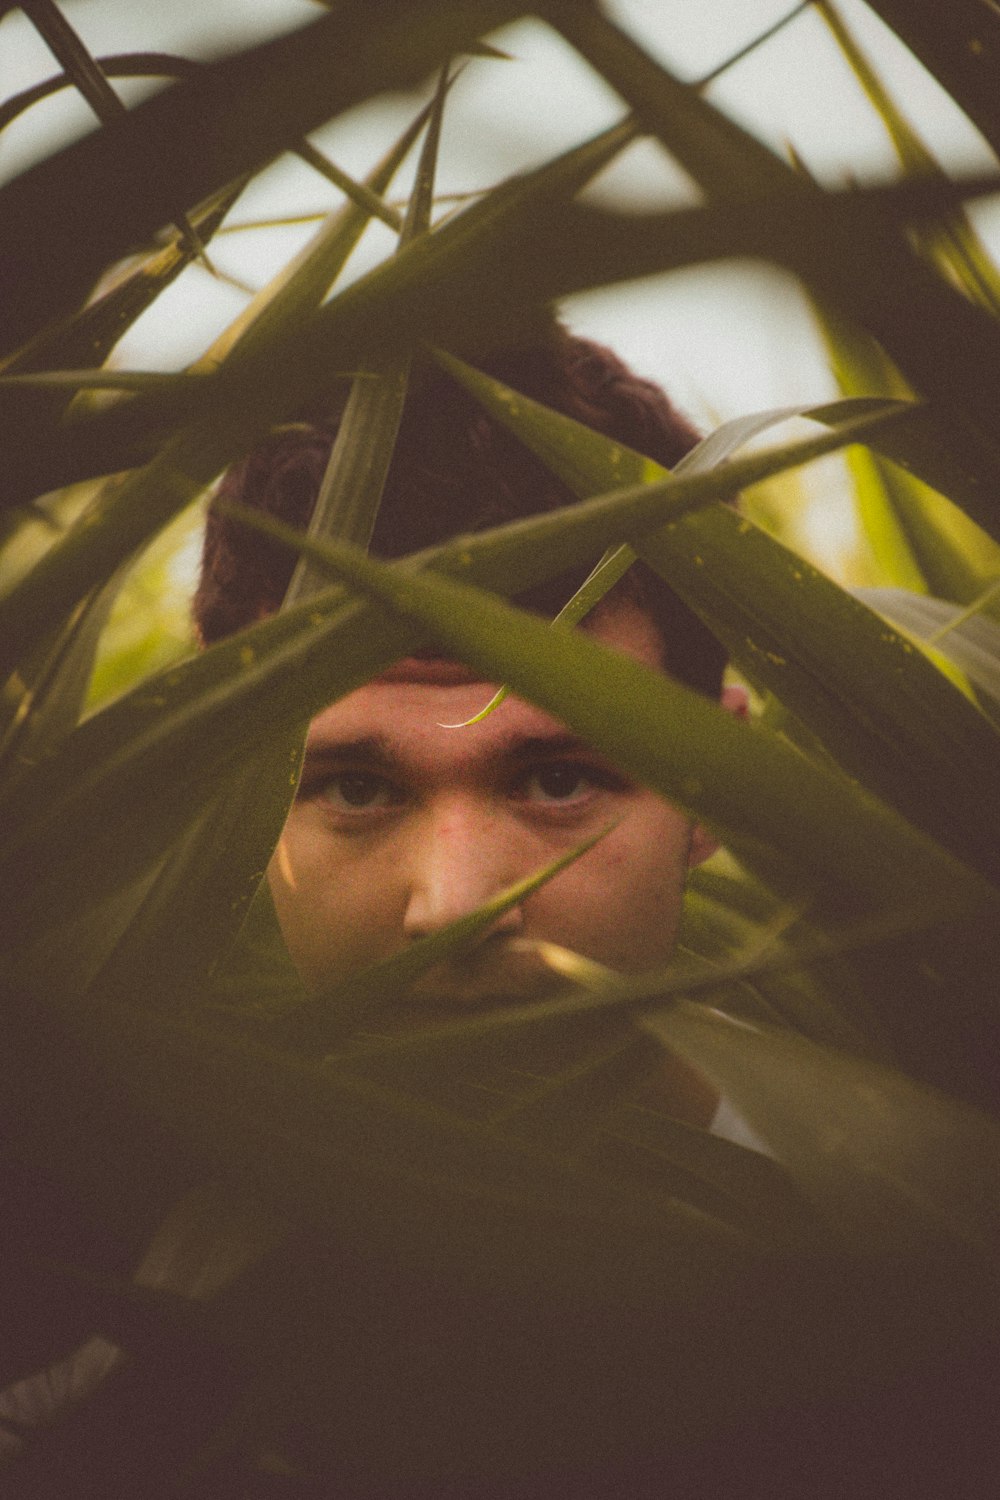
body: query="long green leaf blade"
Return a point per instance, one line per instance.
(351, 489)
(117, 65)
(721, 157)
(45, 699)
(481, 272)
(873, 273)
(277, 91)
(277, 666)
(960, 47)
(322, 1024)
(206, 712)
(832, 1118)
(622, 707)
(878, 706)
(970, 640)
(213, 869)
(204, 888)
(299, 288)
(247, 398)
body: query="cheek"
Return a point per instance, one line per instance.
(334, 916)
(621, 904)
(650, 850)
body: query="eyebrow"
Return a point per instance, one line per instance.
(528, 747)
(382, 753)
(373, 749)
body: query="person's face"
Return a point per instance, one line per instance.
(402, 825)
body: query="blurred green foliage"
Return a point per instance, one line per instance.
(422, 1293)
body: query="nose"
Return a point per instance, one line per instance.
(462, 857)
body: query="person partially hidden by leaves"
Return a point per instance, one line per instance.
(415, 810)
(403, 822)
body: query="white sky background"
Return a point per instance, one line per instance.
(724, 339)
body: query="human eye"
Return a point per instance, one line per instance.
(353, 793)
(565, 783)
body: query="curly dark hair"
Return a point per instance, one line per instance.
(454, 469)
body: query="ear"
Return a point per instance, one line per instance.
(733, 699)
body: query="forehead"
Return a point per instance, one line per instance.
(410, 706)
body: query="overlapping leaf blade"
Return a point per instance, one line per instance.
(344, 1155)
(204, 888)
(211, 869)
(204, 713)
(868, 269)
(351, 489)
(883, 711)
(648, 722)
(322, 1023)
(833, 1119)
(277, 92)
(967, 638)
(273, 378)
(483, 271)
(959, 47)
(118, 65)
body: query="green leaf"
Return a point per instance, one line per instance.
(966, 638)
(722, 158)
(569, 1109)
(87, 338)
(859, 365)
(83, 71)
(87, 76)
(791, 976)
(481, 275)
(599, 992)
(298, 289)
(359, 193)
(276, 92)
(568, 247)
(657, 731)
(91, 334)
(924, 446)
(293, 366)
(204, 888)
(918, 1164)
(351, 489)
(352, 485)
(918, 538)
(123, 515)
(959, 47)
(272, 377)
(43, 701)
(871, 270)
(69, 815)
(953, 242)
(612, 566)
(313, 1132)
(98, 380)
(878, 706)
(373, 318)
(118, 65)
(886, 714)
(324, 1022)
(256, 978)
